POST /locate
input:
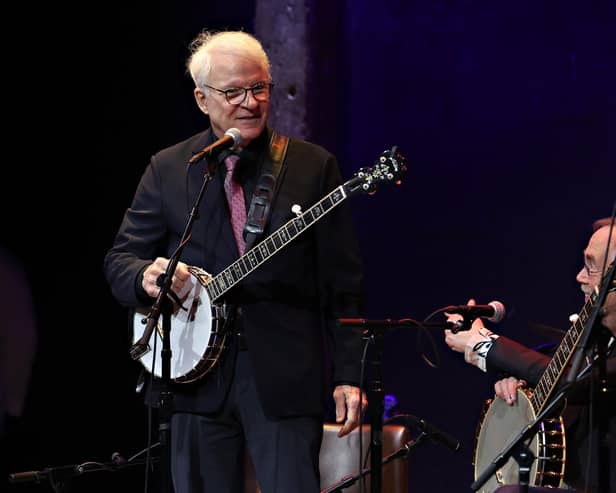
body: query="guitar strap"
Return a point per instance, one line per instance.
(258, 213)
(257, 217)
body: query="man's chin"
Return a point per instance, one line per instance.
(249, 133)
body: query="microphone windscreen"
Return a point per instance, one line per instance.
(499, 311)
(236, 135)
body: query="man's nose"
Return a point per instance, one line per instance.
(250, 100)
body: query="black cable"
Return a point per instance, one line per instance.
(437, 355)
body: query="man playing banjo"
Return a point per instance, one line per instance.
(494, 353)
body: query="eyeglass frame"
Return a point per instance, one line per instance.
(268, 84)
(591, 272)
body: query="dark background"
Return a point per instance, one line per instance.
(505, 111)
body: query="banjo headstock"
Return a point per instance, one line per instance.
(389, 167)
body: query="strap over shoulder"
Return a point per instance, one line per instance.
(278, 151)
(258, 213)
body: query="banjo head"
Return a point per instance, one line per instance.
(189, 336)
(500, 425)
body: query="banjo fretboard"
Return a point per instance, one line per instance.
(238, 270)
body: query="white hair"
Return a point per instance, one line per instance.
(199, 63)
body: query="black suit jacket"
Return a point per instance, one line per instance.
(288, 304)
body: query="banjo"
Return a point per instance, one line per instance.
(501, 423)
(198, 334)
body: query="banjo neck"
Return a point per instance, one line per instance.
(218, 285)
(563, 354)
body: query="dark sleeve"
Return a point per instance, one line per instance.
(512, 358)
(341, 280)
(135, 245)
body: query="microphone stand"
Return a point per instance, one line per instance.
(164, 305)
(602, 408)
(374, 332)
(59, 477)
(519, 447)
(401, 453)
(376, 405)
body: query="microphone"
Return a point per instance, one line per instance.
(118, 459)
(232, 138)
(493, 311)
(27, 476)
(434, 433)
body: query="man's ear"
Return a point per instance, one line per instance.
(201, 99)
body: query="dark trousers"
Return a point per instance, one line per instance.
(208, 451)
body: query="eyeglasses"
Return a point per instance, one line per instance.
(591, 272)
(237, 95)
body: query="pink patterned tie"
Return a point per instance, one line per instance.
(235, 198)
